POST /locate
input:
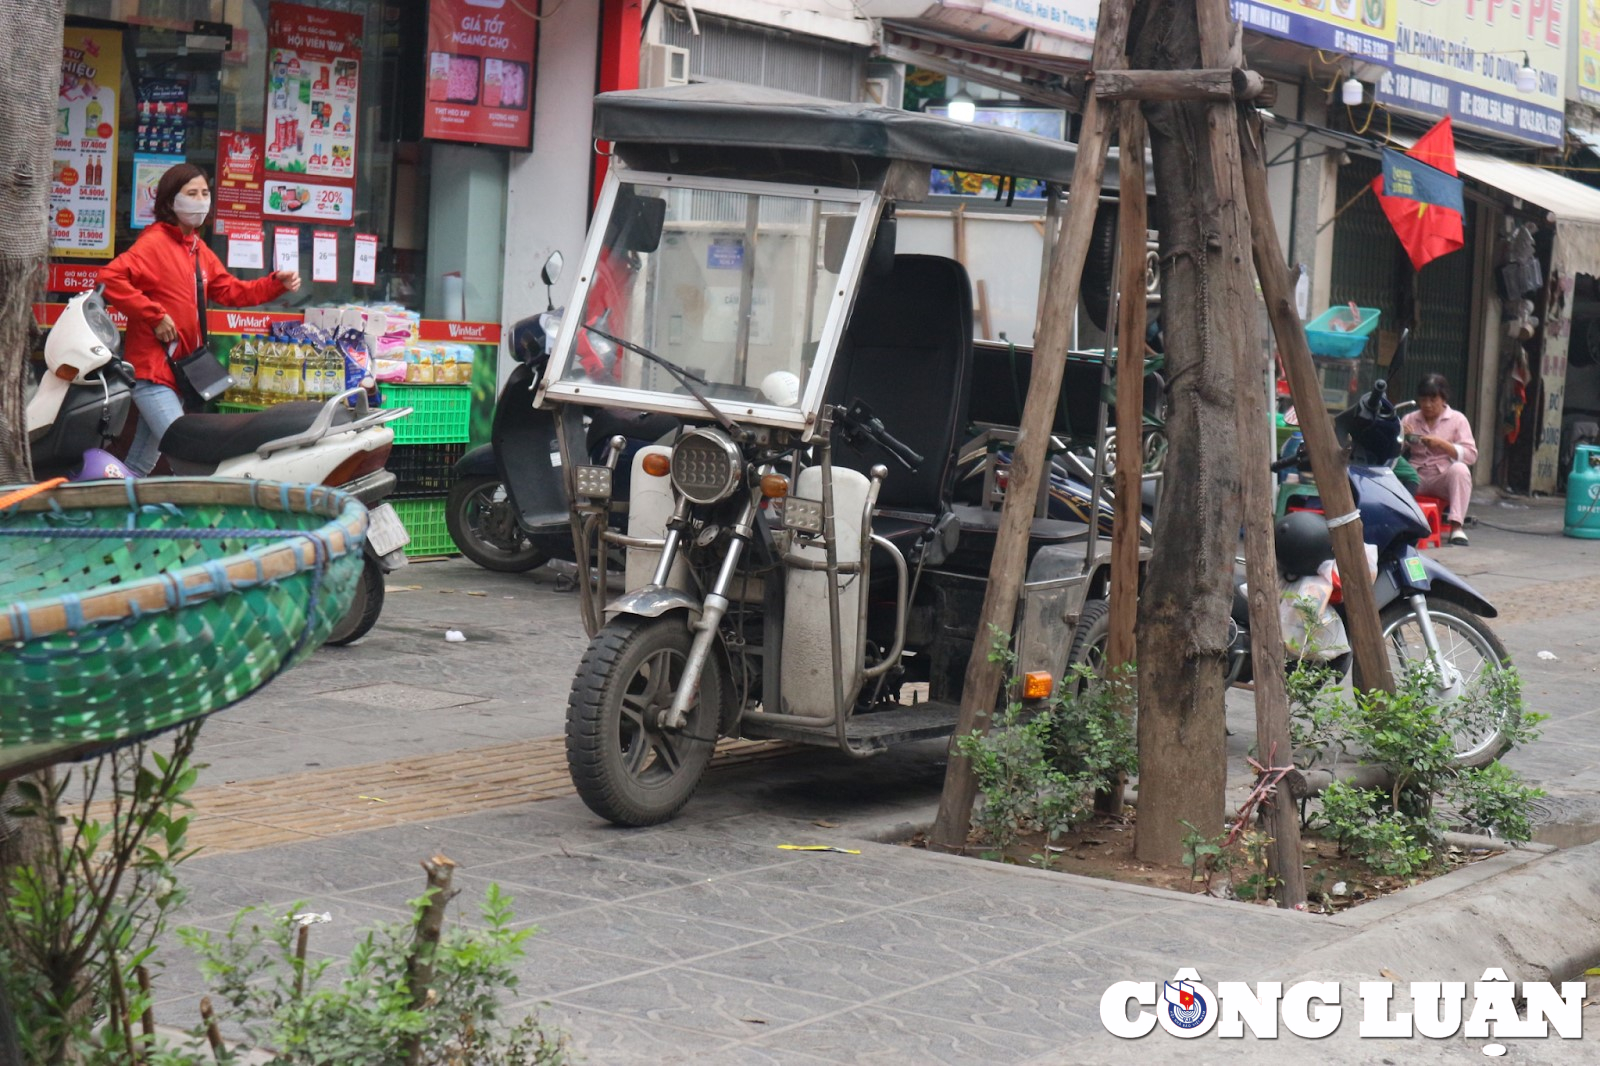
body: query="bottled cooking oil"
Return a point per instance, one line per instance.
(242, 368)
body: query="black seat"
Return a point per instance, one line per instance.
(208, 439)
(907, 354)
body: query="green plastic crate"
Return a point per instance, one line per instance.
(441, 414)
(237, 408)
(424, 520)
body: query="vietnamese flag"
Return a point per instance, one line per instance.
(1426, 230)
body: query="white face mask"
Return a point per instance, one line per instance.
(191, 211)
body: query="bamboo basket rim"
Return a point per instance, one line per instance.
(289, 552)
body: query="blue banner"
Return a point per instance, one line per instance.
(1315, 30)
(1405, 177)
(1471, 107)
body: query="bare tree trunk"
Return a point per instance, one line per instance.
(1183, 616)
(31, 48)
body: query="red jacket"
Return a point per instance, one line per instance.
(156, 277)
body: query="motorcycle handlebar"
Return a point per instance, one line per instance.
(1290, 461)
(898, 448)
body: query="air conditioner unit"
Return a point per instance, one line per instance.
(663, 64)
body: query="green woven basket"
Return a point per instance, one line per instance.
(131, 607)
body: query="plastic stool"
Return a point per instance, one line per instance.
(1297, 496)
(1433, 509)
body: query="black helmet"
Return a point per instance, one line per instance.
(1302, 542)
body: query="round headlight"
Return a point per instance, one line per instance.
(706, 465)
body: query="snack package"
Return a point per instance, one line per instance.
(420, 365)
(390, 371)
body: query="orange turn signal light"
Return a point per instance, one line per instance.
(1037, 685)
(657, 465)
(66, 373)
(774, 486)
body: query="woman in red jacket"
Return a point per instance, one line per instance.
(153, 283)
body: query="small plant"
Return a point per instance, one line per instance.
(1494, 800)
(1388, 841)
(1038, 767)
(1398, 831)
(78, 925)
(279, 1000)
(1258, 884)
(1204, 856)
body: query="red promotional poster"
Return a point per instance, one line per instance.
(480, 72)
(313, 77)
(240, 177)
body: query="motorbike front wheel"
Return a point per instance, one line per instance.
(1473, 650)
(482, 521)
(626, 768)
(364, 608)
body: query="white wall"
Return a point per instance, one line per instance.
(548, 192)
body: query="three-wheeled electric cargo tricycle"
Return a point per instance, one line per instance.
(808, 542)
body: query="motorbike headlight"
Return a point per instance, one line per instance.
(706, 465)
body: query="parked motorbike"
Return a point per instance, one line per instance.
(1427, 612)
(83, 401)
(511, 519)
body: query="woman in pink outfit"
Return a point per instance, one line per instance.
(1442, 449)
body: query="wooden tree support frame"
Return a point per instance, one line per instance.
(1222, 85)
(1030, 457)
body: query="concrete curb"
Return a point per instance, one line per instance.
(1536, 917)
(1533, 911)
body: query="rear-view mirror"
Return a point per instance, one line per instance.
(552, 269)
(636, 222)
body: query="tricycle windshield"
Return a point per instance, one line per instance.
(739, 285)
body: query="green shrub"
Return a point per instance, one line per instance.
(1038, 767)
(283, 1005)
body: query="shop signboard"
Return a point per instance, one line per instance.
(241, 178)
(1461, 58)
(1361, 29)
(313, 77)
(1585, 77)
(480, 72)
(83, 169)
(1074, 19)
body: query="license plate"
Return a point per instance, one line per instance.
(385, 532)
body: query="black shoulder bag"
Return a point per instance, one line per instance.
(200, 372)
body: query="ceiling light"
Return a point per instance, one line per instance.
(1350, 92)
(961, 107)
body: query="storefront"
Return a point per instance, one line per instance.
(365, 144)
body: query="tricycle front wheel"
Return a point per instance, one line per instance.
(625, 766)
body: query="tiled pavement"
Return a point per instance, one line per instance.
(701, 941)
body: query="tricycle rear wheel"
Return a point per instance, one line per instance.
(626, 768)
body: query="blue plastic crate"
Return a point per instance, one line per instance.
(1341, 344)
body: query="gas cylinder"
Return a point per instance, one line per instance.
(1583, 494)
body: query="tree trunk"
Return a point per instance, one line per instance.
(32, 62)
(31, 52)
(1183, 617)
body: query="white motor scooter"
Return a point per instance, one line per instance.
(83, 400)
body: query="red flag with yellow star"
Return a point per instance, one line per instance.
(1426, 231)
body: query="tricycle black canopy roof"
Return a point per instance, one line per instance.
(742, 117)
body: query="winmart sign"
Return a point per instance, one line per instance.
(1186, 1009)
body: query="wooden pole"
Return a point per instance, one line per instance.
(1219, 43)
(1220, 86)
(1327, 458)
(1132, 215)
(1030, 458)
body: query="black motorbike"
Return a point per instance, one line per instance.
(514, 517)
